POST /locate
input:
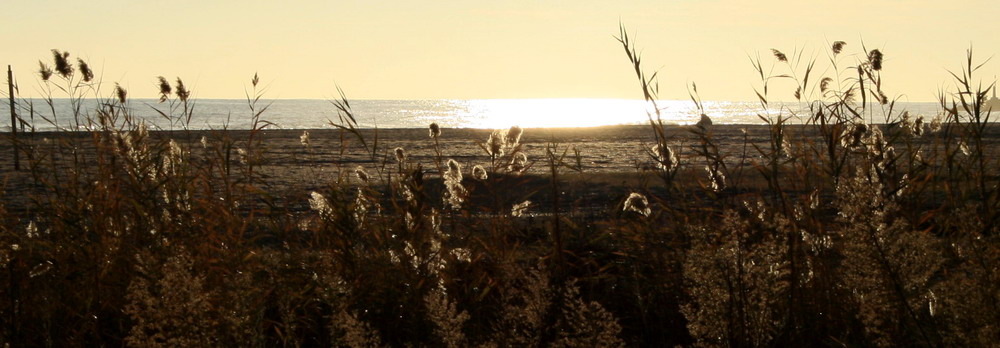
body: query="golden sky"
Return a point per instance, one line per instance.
(380, 49)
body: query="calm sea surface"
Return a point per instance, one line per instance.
(483, 113)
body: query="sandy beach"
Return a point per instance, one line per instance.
(614, 159)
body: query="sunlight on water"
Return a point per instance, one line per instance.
(531, 113)
(477, 113)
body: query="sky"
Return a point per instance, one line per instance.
(405, 49)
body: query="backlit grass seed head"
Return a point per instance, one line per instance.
(32, 229)
(434, 130)
(494, 145)
(435, 219)
(361, 207)
(44, 71)
(320, 204)
(918, 126)
(935, 125)
(361, 174)
(88, 74)
(182, 92)
(875, 59)
(165, 89)
(853, 135)
(638, 203)
(243, 155)
(513, 136)
(876, 145)
(456, 193)
(400, 154)
(454, 172)
(304, 138)
(121, 93)
(520, 209)
(61, 59)
(717, 180)
(518, 163)
(781, 56)
(406, 193)
(838, 46)
(824, 84)
(964, 147)
(204, 142)
(174, 158)
(666, 159)
(479, 173)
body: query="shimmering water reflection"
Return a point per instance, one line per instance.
(476, 113)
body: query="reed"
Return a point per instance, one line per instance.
(838, 232)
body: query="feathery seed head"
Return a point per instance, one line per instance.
(304, 138)
(182, 92)
(88, 74)
(918, 126)
(165, 89)
(520, 209)
(479, 173)
(454, 172)
(242, 154)
(175, 149)
(61, 59)
(320, 204)
(121, 93)
(518, 163)
(824, 84)
(32, 229)
(456, 193)
(495, 144)
(44, 70)
(964, 147)
(361, 206)
(875, 59)
(935, 125)
(717, 180)
(838, 46)
(638, 203)
(665, 157)
(435, 130)
(361, 174)
(513, 136)
(400, 155)
(786, 147)
(853, 135)
(781, 56)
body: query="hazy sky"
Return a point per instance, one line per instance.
(488, 49)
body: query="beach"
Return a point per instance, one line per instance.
(612, 160)
(288, 166)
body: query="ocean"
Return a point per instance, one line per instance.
(480, 113)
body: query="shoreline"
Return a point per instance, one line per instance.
(613, 158)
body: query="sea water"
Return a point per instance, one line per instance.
(479, 113)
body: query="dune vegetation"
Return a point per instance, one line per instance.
(837, 232)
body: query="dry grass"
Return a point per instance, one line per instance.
(839, 232)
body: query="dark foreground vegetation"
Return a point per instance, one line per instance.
(844, 233)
